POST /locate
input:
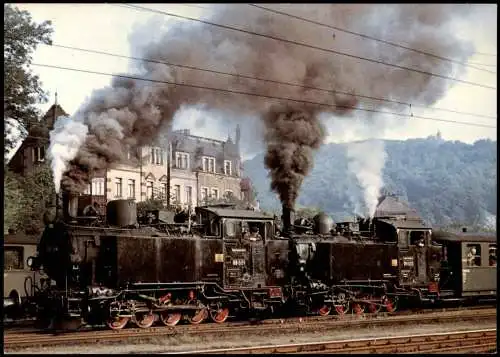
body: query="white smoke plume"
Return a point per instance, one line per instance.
(366, 161)
(66, 139)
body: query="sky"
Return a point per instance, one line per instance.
(107, 27)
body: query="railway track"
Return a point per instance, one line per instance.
(19, 339)
(450, 342)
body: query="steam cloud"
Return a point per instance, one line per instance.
(366, 161)
(65, 141)
(130, 113)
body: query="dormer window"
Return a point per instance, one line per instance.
(227, 167)
(182, 160)
(208, 164)
(156, 156)
(39, 154)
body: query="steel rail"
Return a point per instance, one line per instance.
(16, 340)
(463, 341)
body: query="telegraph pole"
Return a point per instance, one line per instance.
(168, 170)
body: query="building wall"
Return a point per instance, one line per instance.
(125, 173)
(221, 182)
(184, 179)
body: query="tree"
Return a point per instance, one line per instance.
(22, 89)
(27, 199)
(12, 208)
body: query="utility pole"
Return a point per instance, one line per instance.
(169, 151)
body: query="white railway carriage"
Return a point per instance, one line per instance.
(19, 280)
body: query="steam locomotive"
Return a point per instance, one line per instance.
(225, 262)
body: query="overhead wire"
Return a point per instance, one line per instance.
(302, 44)
(260, 95)
(267, 80)
(368, 37)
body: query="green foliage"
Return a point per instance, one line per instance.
(446, 181)
(150, 205)
(13, 196)
(27, 199)
(22, 89)
(307, 212)
(227, 199)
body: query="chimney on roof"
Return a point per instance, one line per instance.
(464, 230)
(238, 136)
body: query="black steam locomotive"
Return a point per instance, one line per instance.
(226, 262)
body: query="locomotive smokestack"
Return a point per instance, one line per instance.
(70, 205)
(287, 221)
(59, 206)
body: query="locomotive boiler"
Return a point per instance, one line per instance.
(228, 262)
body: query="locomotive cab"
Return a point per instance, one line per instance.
(418, 258)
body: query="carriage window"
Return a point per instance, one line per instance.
(232, 228)
(13, 258)
(473, 255)
(493, 255)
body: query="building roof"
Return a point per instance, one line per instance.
(54, 112)
(183, 141)
(390, 206)
(237, 213)
(465, 237)
(406, 224)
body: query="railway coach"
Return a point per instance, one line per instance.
(469, 265)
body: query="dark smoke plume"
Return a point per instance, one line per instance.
(131, 113)
(292, 133)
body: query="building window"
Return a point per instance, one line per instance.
(156, 156)
(208, 164)
(204, 194)
(473, 255)
(96, 187)
(39, 154)
(177, 194)
(131, 153)
(189, 195)
(131, 188)
(13, 258)
(227, 167)
(182, 160)
(118, 185)
(163, 191)
(215, 193)
(228, 194)
(149, 190)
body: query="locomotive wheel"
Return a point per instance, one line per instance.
(117, 323)
(144, 319)
(170, 318)
(374, 305)
(341, 309)
(358, 308)
(324, 310)
(342, 306)
(198, 317)
(219, 315)
(390, 303)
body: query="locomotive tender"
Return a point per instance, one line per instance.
(231, 261)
